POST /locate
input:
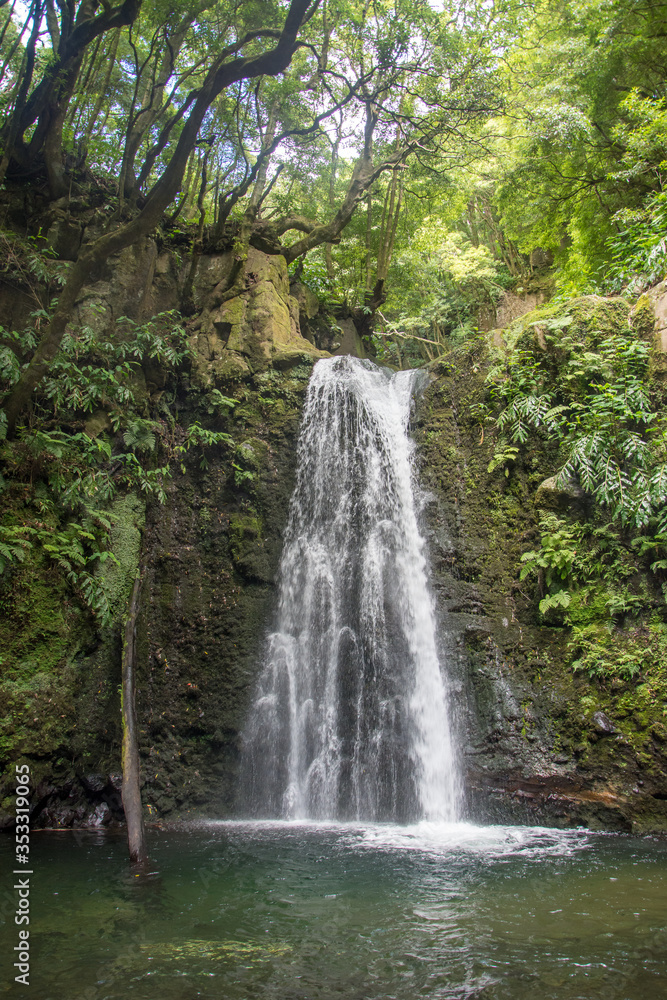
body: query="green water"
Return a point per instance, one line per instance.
(298, 912)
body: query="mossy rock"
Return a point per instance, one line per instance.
(247, 547)
(642, 318)
(252, 454)
(588, 607)
(587, 320)
(128, 516)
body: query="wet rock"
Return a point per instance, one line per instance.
(603, 724)
(561, 497)
(349, 341)
(101, 815)
(115, 782)
(94, 783)
(247, 548)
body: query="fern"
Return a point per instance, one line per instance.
(13, 545)
(600, 412)
(140, 435)
(68, 475)
(217, 403)
(503, 455)
(561, 599)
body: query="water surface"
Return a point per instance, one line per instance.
(301, 911)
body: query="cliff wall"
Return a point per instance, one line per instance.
(540, 741)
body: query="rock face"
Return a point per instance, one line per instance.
(257, 327)
(210, 554)
(540, 743)
(658, 299)
(562, 497)
(207, 601)
(512, 305)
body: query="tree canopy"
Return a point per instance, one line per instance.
(421, 151)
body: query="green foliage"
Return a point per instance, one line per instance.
(595, 403)
(134, 475)
(557, 553)
(29, 262)
(639, 251)
(70, 476)
(217, 403)
(312, 271)
(603, 652)
(140, 435)
(440, 282)
(13, 545)
(201, 437)
(503, 455)
(577, 164)
(241, 475)
(586, 392)
(77, 549)
(586, 570)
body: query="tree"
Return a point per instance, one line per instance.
(223, 106)
(569, 79)
(228, 67)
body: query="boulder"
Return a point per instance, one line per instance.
(561, 497)
(307, 300)
(603, 724)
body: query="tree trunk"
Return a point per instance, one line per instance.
(103, 92)
(187, 296)
(131, 792)
(151, 104)
(53, 140)
(369, 229)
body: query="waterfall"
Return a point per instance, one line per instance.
(350, 719)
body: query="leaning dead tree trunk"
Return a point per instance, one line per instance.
(131, 791)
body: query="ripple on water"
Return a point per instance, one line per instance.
(430, 837)
(317, 911)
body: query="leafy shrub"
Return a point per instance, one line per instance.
(67, 476)
(596, 405)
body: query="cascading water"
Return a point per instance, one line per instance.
(350, 720)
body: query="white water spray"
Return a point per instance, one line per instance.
(350, 720)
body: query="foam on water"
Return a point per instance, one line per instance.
(426, 837)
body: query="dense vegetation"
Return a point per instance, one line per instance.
(410, 161)
(416, 152)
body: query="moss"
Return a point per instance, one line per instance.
(587, 320)
(246, 544)
(530, 717)
(42, 629)
(128, 516)
(589, 607)
(642, 318)
(252, 453)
